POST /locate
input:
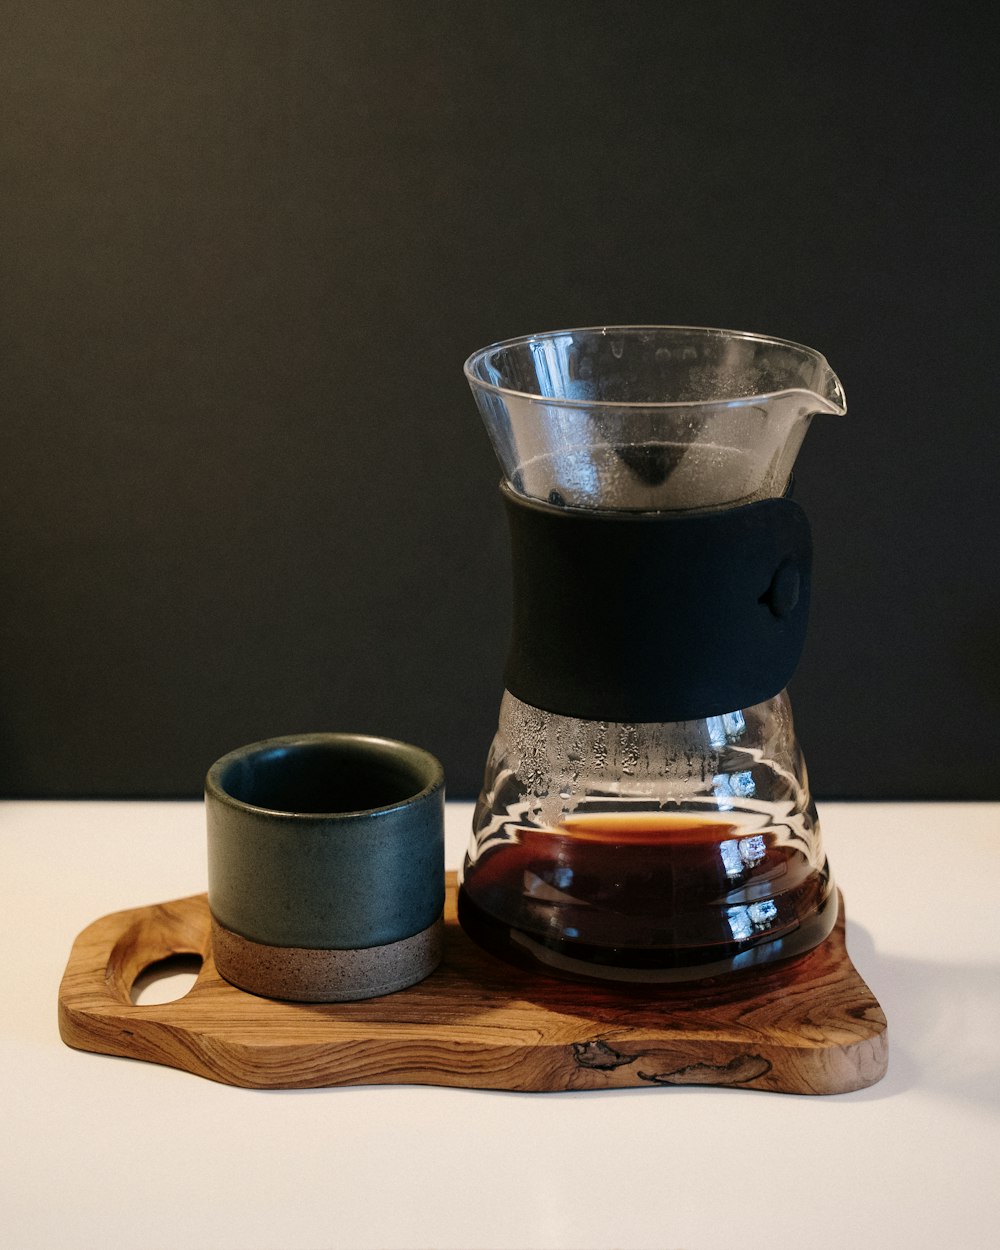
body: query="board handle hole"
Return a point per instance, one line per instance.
(166, 980)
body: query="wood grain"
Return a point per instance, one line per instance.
(811, 1026)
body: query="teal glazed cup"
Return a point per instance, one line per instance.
(326, 866)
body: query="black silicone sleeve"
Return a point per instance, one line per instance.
(646, 616)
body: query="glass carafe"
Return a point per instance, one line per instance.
(658, 834)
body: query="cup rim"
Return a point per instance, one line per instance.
(215, 790)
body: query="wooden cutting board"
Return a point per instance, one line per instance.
(808, 1027)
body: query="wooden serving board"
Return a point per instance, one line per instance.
(810, 1026)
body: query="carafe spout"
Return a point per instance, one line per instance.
(829, 394)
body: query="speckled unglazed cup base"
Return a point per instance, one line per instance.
(308, 975)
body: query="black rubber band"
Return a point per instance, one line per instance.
(650, 616)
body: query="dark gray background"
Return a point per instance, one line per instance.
(247, 247)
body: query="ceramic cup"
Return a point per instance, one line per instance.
(326, 866)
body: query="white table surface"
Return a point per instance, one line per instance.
(97, 1151)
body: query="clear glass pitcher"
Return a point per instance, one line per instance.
(612, 842)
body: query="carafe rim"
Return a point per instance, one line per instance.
(833, 402)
